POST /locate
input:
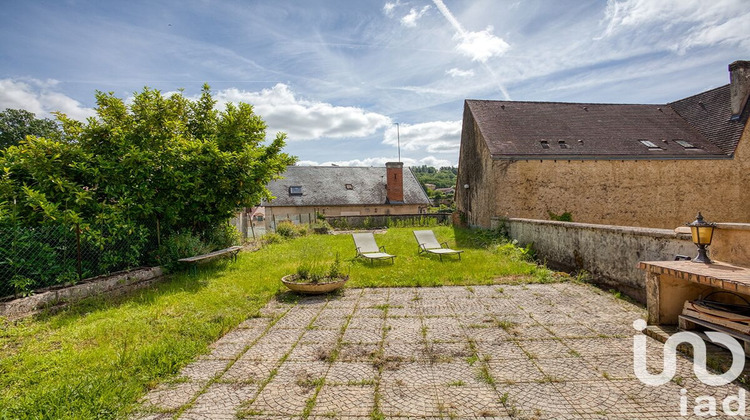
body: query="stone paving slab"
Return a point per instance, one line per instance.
(555, 351)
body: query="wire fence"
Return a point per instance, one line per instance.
(49, 255)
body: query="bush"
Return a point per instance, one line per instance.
(272, 238)
(289, 230)
(222, 236)
(179, 245)
(321, 228)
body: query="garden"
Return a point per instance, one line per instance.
(98, 357)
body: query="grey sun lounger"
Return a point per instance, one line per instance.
(428, 243)
(368, 248)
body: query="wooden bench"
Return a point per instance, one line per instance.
(232, 250)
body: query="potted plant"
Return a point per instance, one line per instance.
(314, 278)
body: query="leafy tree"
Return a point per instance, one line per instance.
(16, 124)
(158, 164)
(444, 177)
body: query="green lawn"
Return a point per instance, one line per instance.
(96, 358)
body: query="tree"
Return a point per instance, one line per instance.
(16, 124)
(158, 164)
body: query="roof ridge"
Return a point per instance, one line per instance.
(697, 94)
(563, 103)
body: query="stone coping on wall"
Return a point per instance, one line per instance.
(718, 274)
(663, 233)
(51, 297)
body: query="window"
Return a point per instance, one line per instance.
(349, 186)
(545, 144)
(650, 145)
(562, 144)
(685, 144)
(295, 190)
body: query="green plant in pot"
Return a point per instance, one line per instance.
(315, 277)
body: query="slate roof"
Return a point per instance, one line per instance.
(516, 130)
(327, 186)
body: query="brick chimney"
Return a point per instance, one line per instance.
(394, 185)
(739, 86)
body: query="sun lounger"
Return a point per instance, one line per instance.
(428, 243)
(368, 248)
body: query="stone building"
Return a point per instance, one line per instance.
(618, 164)
(345, 191)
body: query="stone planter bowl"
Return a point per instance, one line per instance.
(310, 288)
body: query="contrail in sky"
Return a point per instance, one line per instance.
(463, 34)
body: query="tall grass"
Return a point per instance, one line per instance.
(96, 358)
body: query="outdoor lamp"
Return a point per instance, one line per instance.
(702, 232)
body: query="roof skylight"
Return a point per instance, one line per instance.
(545, 144)
(651, 145)
(685, 144)
(295, 190)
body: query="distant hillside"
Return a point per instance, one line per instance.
(444, 177)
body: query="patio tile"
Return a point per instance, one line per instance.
(345, 401)
(281, 399)
(567, 369)
(513, 371)
(545, 349)
(320, 336)
(222, 399)
(351, 373)
(535, 400)
(249, 371)
(204, 370)
(357, 352)
(410, 401)
(170, 397)
(470, 402)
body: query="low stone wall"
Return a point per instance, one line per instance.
(113, 284)
(610, 253)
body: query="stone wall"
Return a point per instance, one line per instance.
(114, 284)
(609, 253)
(612, 253)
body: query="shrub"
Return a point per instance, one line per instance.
(179, 245)
(289, 230)
(321, 228)
(272, 238)
(565, 217)
(221, 236)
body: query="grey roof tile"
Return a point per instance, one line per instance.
(517, 130)
(326, 186)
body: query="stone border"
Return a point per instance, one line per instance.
(117, 283)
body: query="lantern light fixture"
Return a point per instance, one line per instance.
(702, 233)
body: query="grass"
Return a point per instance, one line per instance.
(96, 358)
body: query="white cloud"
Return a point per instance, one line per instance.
(304, 119)
(380, 161)
(41, 98)
(434, 136)
(410, 20)
(456, 72)
(481, 46)
(389, 6)
(698, 22)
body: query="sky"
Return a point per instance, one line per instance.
(350, 81)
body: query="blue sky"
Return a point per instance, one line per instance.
(337, 75)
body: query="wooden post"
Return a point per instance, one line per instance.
(78, 246)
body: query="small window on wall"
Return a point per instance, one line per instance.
(295, 190)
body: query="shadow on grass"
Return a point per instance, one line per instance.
(475, 238)
(177, 282)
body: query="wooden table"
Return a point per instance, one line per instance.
(670, 283)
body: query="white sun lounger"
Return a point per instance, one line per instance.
(368, 248)
(428, 243)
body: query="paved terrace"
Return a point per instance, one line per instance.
(554, 351)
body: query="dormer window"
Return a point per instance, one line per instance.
(545, 144)
(563, 145)
(295, 190)
(651, 145)
(685, 144)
